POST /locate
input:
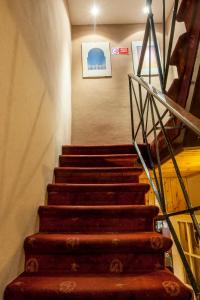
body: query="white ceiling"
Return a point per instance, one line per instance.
(115, 11)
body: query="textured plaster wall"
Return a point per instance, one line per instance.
(35, 116)
(101, 106)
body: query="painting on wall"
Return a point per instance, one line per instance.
(96, 59)
(136, 52)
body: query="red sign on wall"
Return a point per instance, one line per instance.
(120, 51)
(124, 51)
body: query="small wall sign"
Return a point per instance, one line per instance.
(120, 51)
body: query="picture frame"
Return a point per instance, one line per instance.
(96, 59)
(136, 51)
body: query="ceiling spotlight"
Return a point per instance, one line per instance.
(95, 11)
(146, 10)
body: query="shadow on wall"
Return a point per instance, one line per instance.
(48, 38)
(35, 112)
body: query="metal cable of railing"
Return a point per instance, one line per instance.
(148, 113)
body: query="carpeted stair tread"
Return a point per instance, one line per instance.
(109, 242)
(161, 285)
(104, 218)
(96, 194)
(97, 174)
(103, 253)
(114, 160)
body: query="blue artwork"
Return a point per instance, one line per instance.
(96, 59)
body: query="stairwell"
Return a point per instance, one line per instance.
(96, 237)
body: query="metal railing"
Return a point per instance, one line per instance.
(151, 111)
(144, 102)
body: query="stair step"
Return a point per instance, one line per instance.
(83, 253)
(161, 285)
(97, 194)
(188, 11)
(97, 175)
(179, 55)
(121, 218)
(64, 243)
(98, 149)
(116, 160)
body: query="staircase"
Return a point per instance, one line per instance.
(96, 237)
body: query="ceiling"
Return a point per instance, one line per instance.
(115, 11)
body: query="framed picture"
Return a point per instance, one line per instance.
(96, 59)
(136, 52)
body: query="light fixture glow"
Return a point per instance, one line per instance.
(146, 10)
(95, 11)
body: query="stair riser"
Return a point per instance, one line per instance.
(63, 176)
(83, 264)
(89, 224)
(95, 198)
(98, 150)
(96, 161)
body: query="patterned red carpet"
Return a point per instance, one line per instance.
(96, 237)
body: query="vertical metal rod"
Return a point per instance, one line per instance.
(150, 57)
(140, 123)
(147, 116)
(158, 157)
(142, 116)
(152, 26)
(185, 193)
(164, 37)
(131, 107)
(136, 100)
(170, 42)
(144, 47)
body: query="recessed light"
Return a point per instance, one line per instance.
(95, 11)
(146, 10)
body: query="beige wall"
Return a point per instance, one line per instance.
(101, 112)
(35, 65)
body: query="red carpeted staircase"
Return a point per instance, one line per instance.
(96, 237)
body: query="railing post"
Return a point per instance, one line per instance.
(131, 107)
(164, 37)
(144, 47)
(152, 27)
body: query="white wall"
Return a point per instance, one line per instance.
(35, 116)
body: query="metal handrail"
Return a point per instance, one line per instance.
(178, 111)
(148, 107)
